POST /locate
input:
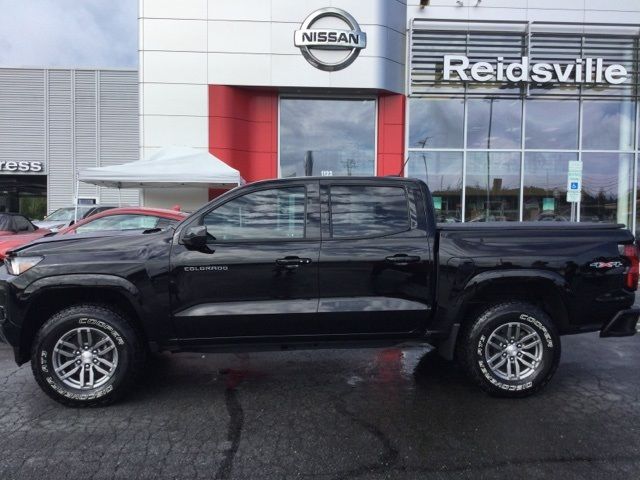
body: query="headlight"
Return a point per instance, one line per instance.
(18, 265)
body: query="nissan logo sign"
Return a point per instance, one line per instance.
(319, 45)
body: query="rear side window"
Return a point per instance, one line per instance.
(368, 211)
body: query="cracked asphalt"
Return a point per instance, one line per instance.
(334, 414)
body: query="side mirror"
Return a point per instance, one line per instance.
(195, 237)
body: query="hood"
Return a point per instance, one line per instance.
(14, 241)
(101, 242)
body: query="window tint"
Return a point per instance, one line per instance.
(275, 214)
(363, 211)
(119, 222)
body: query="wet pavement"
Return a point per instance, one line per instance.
(374, 414)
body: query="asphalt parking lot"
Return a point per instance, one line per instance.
(376, 414)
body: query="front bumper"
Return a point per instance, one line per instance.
(624, 324)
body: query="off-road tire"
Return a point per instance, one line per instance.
(472, 349)
(109, 323)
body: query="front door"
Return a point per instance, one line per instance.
(258, 275)
(376, 258)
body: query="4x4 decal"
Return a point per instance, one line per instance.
(614, 264)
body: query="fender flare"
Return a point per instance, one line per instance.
(484, 279)
(85, 281)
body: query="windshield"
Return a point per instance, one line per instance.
(66, 214)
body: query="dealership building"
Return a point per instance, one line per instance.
(491, 102)
(507, 108)
(56, 121)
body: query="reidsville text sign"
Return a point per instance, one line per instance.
(582, 70)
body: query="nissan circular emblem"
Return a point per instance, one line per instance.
(323, 45)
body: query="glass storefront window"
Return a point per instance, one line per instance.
(442, 171)
(607, 125)
(436, 123)
(494, 123)
(327, 137)
(545, 186)
(607, 188)
(551, 124)
(492, 186)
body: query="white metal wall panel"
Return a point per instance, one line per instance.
(70, 119)
(118, 127)
(60, 183)
(85, 126)
(22, 115)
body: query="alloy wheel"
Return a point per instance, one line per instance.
(85, 358)
(514, 351)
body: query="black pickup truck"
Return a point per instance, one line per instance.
(315, 263)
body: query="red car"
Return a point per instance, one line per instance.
(16, 230)
(113, 220)
(126, 218)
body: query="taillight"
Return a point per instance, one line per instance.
(633, 273)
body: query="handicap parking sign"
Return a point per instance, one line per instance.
(574, 185)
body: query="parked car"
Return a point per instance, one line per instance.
(16, 230)
(126, 218)
(315, 263)
(113, 221)
(63, 217)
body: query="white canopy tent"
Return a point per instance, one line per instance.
(171, 175)
(169, 167)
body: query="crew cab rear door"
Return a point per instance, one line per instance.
(376, 257)
(258, 274)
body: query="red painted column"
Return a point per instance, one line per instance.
(243, 130)
(391, 133)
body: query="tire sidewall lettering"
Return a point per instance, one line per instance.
(44, 358)
(486, 372)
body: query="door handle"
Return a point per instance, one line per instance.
(402, 259)
(292, 262)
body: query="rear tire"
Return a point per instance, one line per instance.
(86, 356)
(511, 350)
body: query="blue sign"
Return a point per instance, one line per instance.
(574, 185)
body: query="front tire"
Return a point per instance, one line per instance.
(510, 350)
(86, 355)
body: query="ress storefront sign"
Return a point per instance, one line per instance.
(21, 167)
(582, 70)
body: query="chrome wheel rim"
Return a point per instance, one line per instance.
(85, 358)
(514, 351)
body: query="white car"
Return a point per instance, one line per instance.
(63, 217)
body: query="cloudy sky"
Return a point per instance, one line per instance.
(69, 33)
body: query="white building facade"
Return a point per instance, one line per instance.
(491, 102)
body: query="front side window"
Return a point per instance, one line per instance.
(327, 137)
(273, 214)
(364, 211)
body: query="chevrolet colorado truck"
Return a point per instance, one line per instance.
(315, 263)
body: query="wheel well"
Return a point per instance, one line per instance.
(49, 302)
(544, 295)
